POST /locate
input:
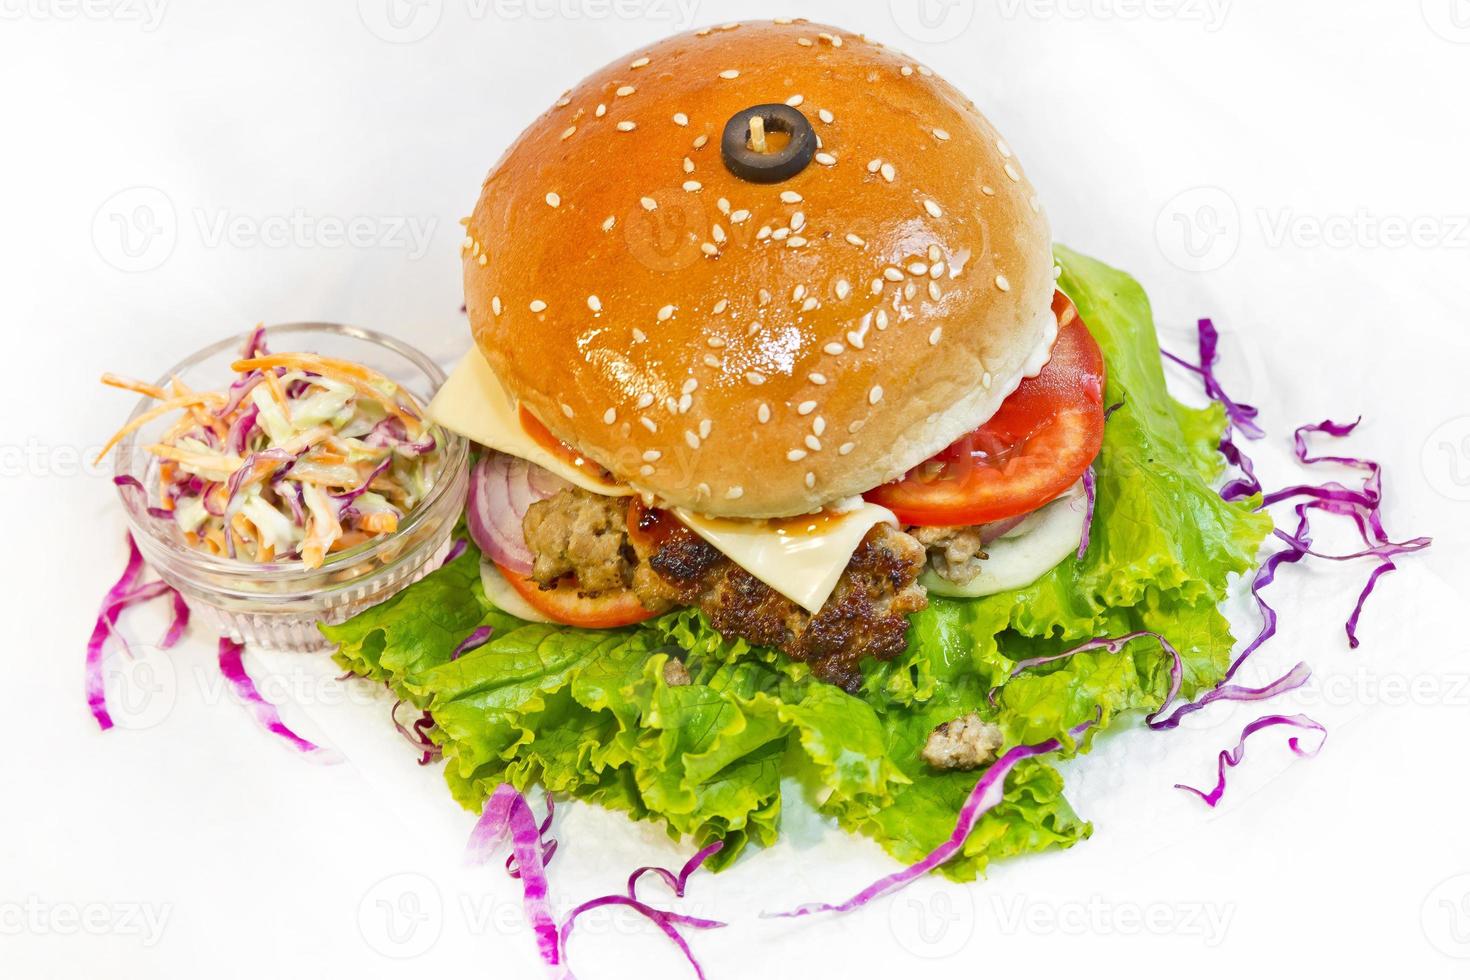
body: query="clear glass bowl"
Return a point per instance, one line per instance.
(279, 605)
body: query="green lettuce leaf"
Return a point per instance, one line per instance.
(589, 714)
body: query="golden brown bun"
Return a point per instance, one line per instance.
(706, 356)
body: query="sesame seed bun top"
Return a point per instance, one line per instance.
(750, 349)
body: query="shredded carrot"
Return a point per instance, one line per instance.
(278, 393)
(365, 380)
(141, 387)
(383, 522)
(157, 411)
(200, 461)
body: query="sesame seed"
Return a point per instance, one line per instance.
(987, 190)
(1012, 173)
(701, 141)
(826, 116)
(763, 413)
(909, 292)
(813, 443)
(703, 489)
(985, 381)
(795, 101)
(646, 470)
(798, 221)
(934, 292)
(811, 304)
(798, 293)
(846, 448)
(686, 401)
(811, 479)
(855, 427)
(893, 274)
(889, 173)
(537, 305)
(671, 405)
(918, 269)
(826, 159)
(734, 493)
(626, 90)
(926, 71)
(601, 110)
(688, 166)
(763, 234)
(856, 241)
(709, 248)
(649, 204)
(1003, 284)
(806, 408)
(1056, 272)
(796, 242)
(553, 199)
(609, 223)
(705, 427)
(740, 216)
(691, 439)
(876, 395)
(564, 101)
(665, 312)
(936, 270)
(495, 304)
(711, 360)
(639, 336)
(730, 73)
(856, 339)
(1005, 150)
(819, 425)
(834, 348)
(796, 455)
(877, 286)
(882, 319)
(567, 410)
(715, 342)
(594, 304)
(817, 378)
(790, 197)
(484, 259)
(680, 119)
(627, 126)
(781, 234)
(755, 378)
(941, 134)
(567, 133)
(934, 210)
(805, 42)
(692, 185)
(645, 400)
(721, 306)
(640, 63)
(874, 166)
(651, 426)
(610, 416)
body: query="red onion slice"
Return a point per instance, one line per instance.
(502, 489)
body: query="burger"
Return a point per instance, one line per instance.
(808, 466)
(766, 322)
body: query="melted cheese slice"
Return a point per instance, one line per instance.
(476, 405)
(801, 557)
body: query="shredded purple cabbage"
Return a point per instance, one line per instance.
(133, 483)
(988, 792)
(1241, 416)
(1089, 484)
(548, 847)
(474, 641)
(126, 592)
(416, 733)
(1230, 758)
(458, 548)
(232, 666)
(507, 815)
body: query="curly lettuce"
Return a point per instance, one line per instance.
(589, 713)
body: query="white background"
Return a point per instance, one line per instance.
(1208, 147)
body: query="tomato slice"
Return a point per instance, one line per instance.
(566, 606)
(1037, 445)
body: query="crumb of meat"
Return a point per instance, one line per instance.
(965, 743)
(675, 673)
(582, 534)
(955, 553)
(866, 615)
